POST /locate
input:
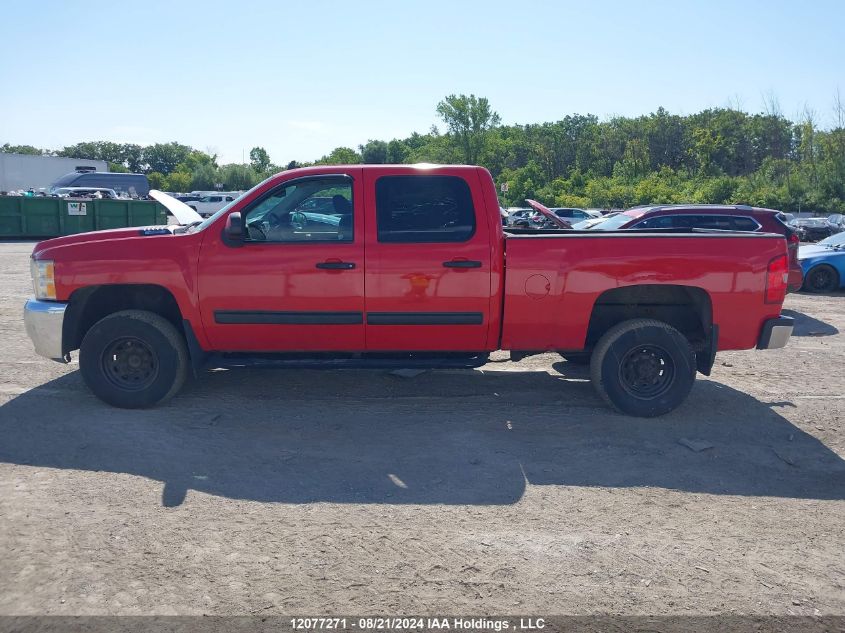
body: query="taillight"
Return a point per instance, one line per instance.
(777, 277)
(792, 244)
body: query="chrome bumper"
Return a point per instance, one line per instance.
(44, 321)
(775, 333)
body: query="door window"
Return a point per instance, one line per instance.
(308, 210)
(424, 209)
(745, 224)
(659, 222)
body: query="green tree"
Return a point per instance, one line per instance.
(469, 119)
(341, 156)
(397, 152)
(164, 157)
(178, 181)
(259, 159)
(238, 177)
(373, 153)
(6, 148)
(204, 177)
(156, 179)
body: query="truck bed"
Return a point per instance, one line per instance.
(553, 280)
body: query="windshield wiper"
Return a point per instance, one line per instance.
(186, 227)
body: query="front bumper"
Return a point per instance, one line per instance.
(775, 333)
(44, 321)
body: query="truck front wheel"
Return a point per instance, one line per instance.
(643, 367)
(133, 359)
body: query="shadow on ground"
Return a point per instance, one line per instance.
(808, 326)
(445, 437)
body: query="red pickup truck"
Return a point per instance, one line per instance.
(382, 264)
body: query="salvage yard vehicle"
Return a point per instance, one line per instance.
(417, 270)
(812, 229)
(132, 185)
(824, 264)
(209, 205)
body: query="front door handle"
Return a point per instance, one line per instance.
(462, 263)
(337, 265)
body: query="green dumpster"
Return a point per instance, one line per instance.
(38, 216)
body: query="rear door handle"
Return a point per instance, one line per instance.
(462, 263)
(336, 265)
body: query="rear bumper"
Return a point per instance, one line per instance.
(44, 321)
(775, 333)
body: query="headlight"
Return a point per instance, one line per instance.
(43, 279)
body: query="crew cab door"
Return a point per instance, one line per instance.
(428, 261)
(296, 283)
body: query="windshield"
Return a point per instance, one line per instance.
(613, 223)
(834, 240)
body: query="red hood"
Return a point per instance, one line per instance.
(99, 236)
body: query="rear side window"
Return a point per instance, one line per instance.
(424, 209)
(659, 222)
(745, 224)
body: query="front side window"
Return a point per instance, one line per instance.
(289, 213)
(424, 209)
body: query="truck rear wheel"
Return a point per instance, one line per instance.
(643, 367)
(133, 359)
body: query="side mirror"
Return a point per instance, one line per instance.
(234, 231)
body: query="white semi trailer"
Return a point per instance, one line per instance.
(22, 171)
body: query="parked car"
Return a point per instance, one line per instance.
(836, 222)
(812, 229)
(209, 205)
(133, 185)
(520, 217)
(574, 215)
(85, 192)
(721, 217)
(591, 223)
(824, 264)
(415, 268)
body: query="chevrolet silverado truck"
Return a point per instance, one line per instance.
(408, 266)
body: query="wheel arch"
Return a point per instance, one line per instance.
(88, 305)
(689, 309)
(822, 263)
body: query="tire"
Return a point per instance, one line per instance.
(133, 359)
(821, 278)
(643, 367)
(577, 359)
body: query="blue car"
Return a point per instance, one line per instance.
(824, 264)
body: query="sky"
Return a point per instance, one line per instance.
(301, 78)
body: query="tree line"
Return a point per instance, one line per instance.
(718, 155)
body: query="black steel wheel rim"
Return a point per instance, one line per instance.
(821, 279)
(647, 371)
(130, 364)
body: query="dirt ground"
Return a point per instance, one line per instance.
(510, 489)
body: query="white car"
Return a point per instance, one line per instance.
(211, 204)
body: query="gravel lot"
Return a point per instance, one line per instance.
(512, 489)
